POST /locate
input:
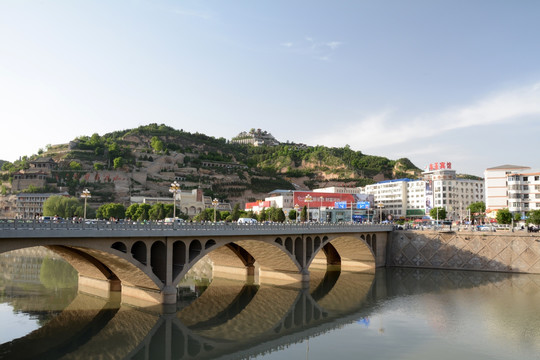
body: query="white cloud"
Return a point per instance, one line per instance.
(333, 44)
(386, 128)
(315, 49)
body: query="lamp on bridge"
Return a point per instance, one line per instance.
(380, 206)
(215, 203)
(296, 207)
(308, 199)
(85, 195)
(175, 187)
(320, 208)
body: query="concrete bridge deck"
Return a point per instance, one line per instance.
(147, 260)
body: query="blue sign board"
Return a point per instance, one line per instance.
(362, 205)
(340, 205)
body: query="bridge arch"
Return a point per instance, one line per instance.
(242, 256)
(350, 252)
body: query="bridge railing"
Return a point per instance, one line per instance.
(18, 224)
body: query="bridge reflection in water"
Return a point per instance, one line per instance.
(237, 320)
(229, 317)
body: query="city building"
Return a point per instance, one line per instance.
(390, 196)
(497, 187)
(523, 191)
(30, 205)
(189, 202)
(322, 206)
(439, 187)
(36, 175)
(255, 137)
(450, 192)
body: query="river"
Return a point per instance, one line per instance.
(394, 313)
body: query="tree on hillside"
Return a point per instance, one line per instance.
(504, 216)
(118, 162)
(157, 144)
(74, 165)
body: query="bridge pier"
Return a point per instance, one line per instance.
(143, 297)
(235, 272)
(98, 287)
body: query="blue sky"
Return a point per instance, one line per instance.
(433, 81)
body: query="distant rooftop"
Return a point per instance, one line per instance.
(508, 167)
(396, 180)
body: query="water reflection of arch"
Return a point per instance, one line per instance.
(237, 258)
(83, 318)
(254, 314)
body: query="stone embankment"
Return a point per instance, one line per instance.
(506, 251)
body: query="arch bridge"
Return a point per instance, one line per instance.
(147, 261)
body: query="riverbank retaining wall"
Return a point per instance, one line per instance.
(502, 251)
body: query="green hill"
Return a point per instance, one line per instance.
(143, 161)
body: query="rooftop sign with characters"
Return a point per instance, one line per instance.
(439, 166)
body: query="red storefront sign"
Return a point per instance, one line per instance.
(322, 199)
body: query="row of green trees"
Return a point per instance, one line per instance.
(68, 207)
(478, 211)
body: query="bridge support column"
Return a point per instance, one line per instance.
(98, 287)
(234, 272)
(142, 297)
(305, 275)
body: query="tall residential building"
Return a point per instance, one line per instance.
(439, 187)
(450, 192)
(391, 196)
(496, 186)
(523, 191)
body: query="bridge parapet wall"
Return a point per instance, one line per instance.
(508, 252)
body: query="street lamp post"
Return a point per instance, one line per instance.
(85, 195)
(175, 187)
(308, 199)
(296, 207)
(320, 209)
(215, 202)
(380, 206)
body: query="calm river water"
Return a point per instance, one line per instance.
(393, 314)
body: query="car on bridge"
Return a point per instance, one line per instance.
(246, 221)
(173, 221)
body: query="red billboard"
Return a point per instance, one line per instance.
(260, 204)
(325, 199)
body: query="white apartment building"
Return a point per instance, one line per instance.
(523, 191)
(283, 199)
(497, 187)
(30, 205)
(452, 193)
(440, 187)
(390, 196)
